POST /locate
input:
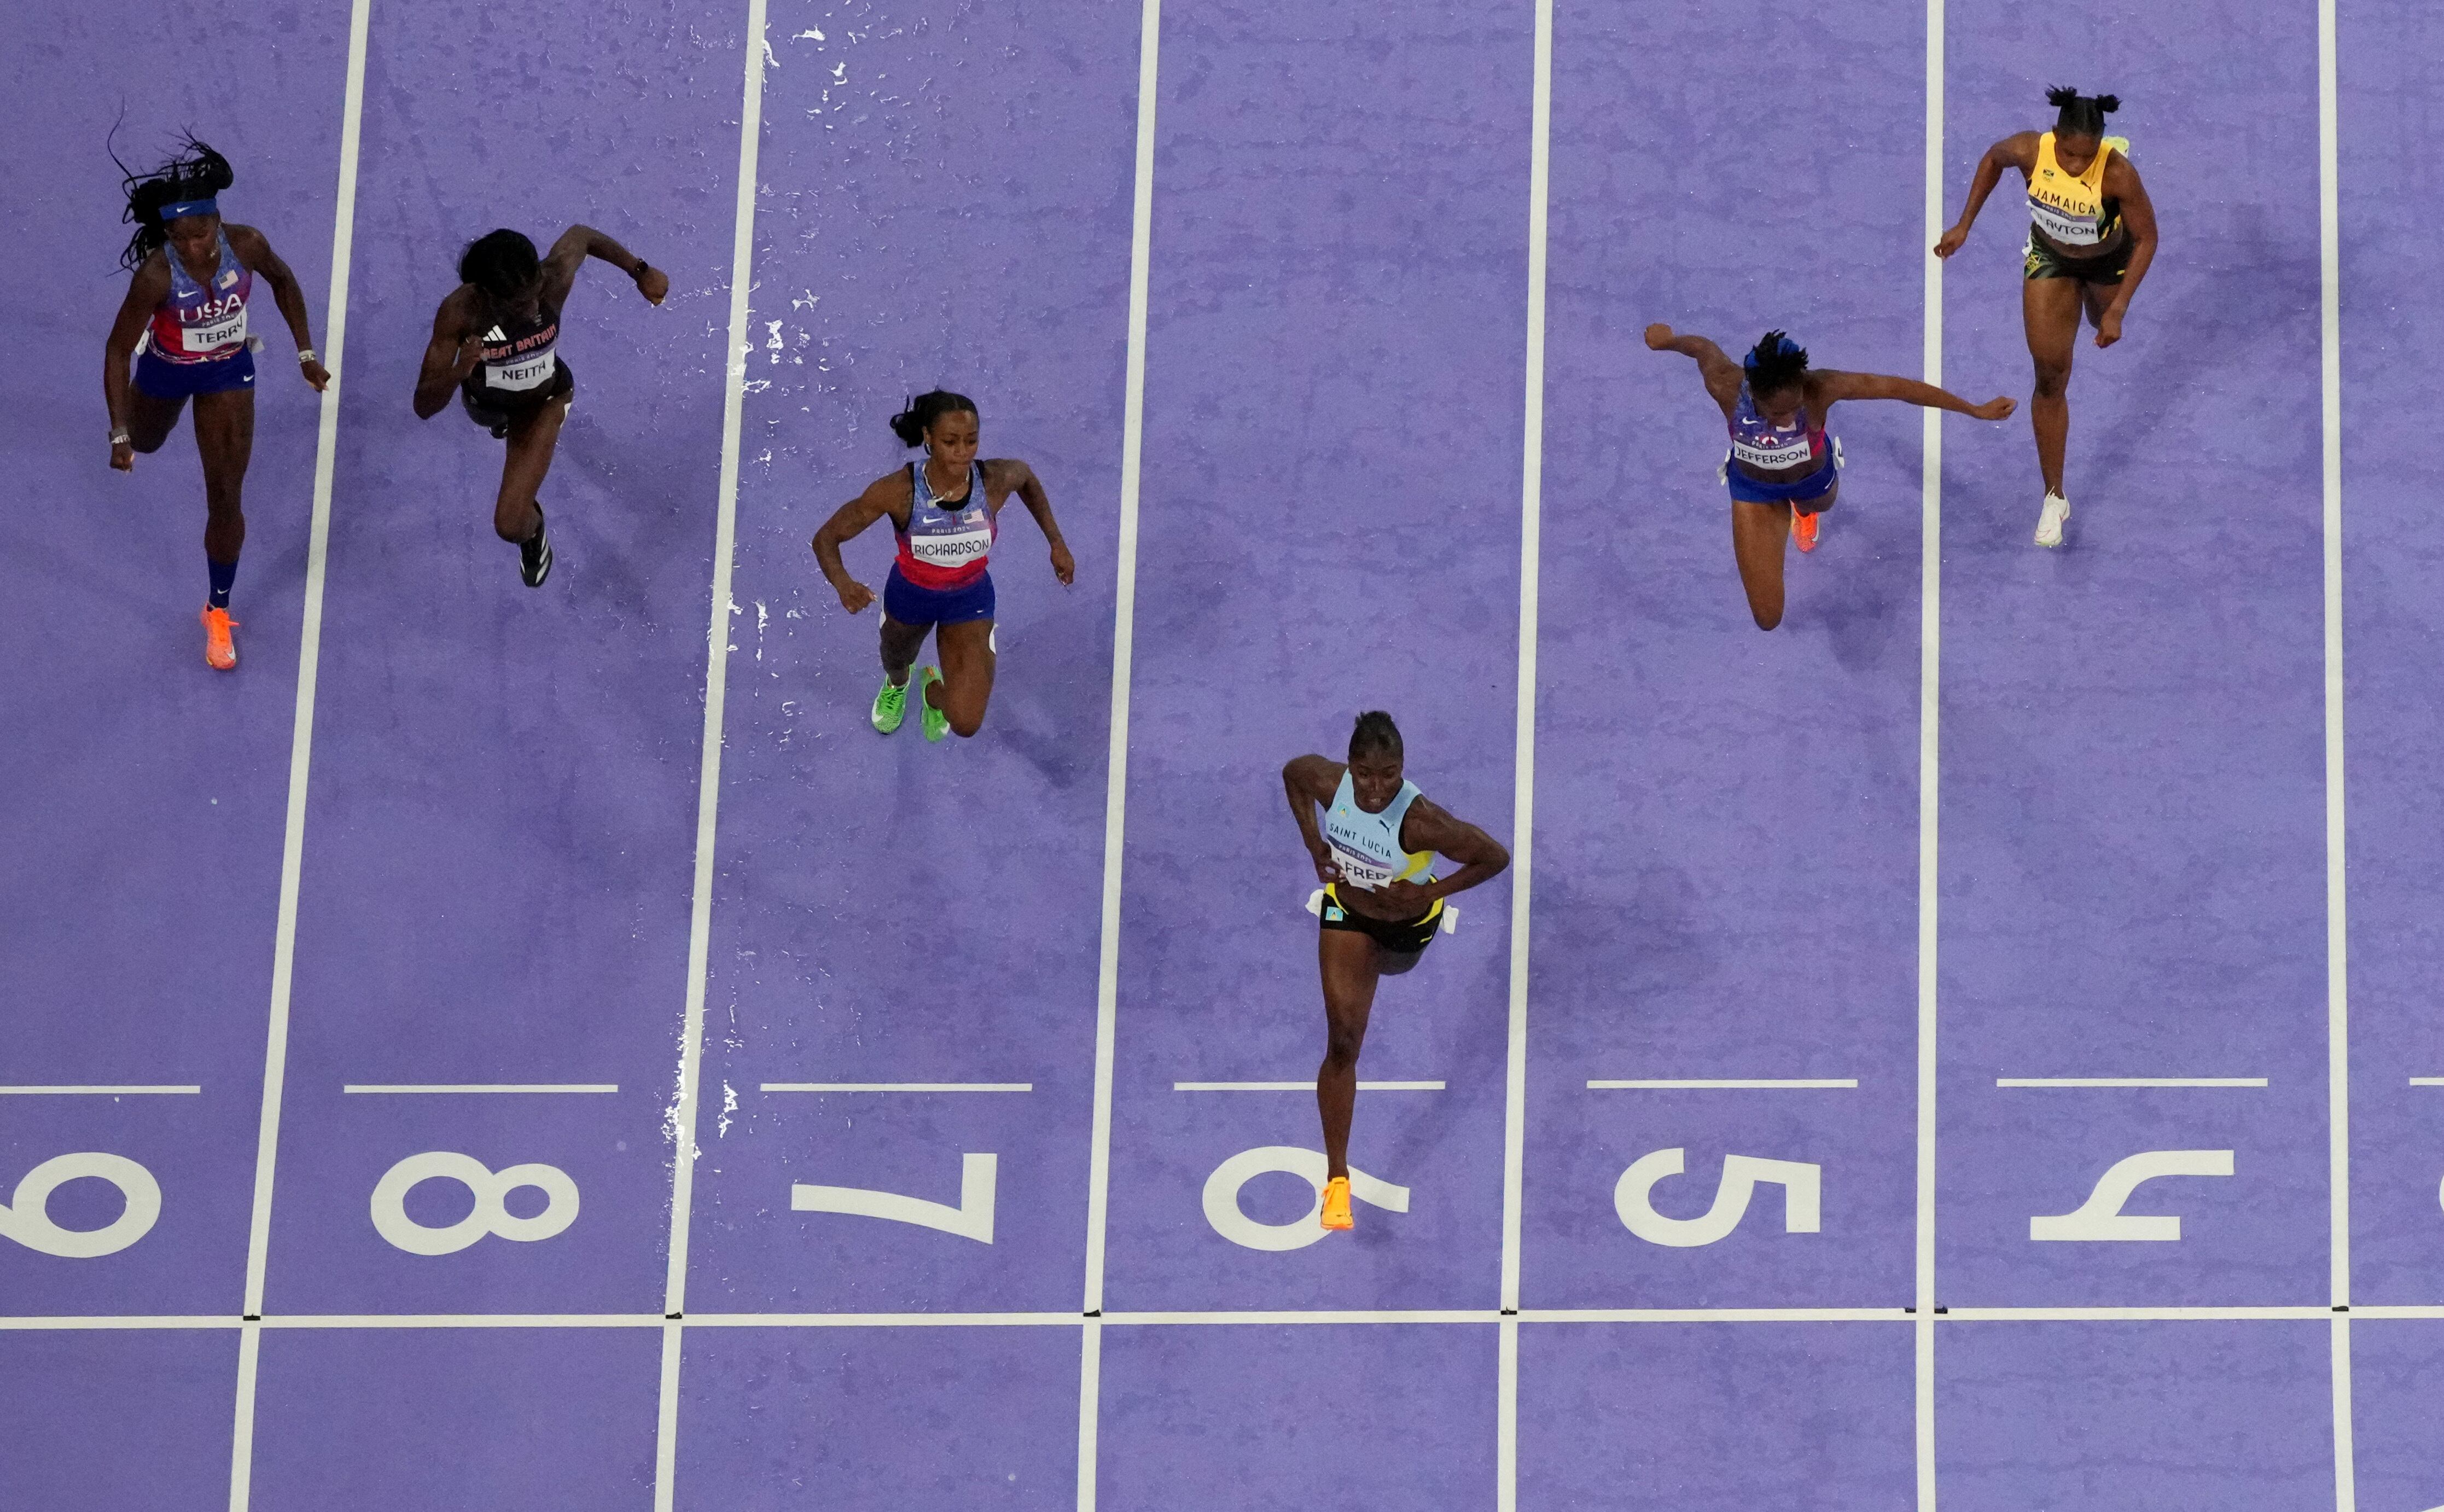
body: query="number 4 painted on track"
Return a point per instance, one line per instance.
(972, 1219)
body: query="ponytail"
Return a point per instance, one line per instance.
(912, 423)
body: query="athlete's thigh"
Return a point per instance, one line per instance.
(1758, 534)
(2050, 308)
(900, 640)
(1350, 963)
(151, 418)
(1820, 504)
(533, 436)
(225, 433)
(2095, 297)
(967, 664)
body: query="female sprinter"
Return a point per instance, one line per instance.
(1382, 903)
(946, 511)
(496, 340)
(1782, 469)
(2091, 235)
(184, 323)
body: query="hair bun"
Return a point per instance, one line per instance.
(2063, 96)
(2108, 104)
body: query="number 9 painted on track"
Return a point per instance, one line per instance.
(1223, 1211)
(28, 1218)
(492, 1214)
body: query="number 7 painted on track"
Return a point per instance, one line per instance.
(972, 1219)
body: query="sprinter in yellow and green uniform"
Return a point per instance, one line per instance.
(1381, 905)
(2091, 235)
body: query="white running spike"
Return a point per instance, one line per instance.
(2050, 521)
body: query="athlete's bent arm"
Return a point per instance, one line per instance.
(1021, 479)
(2139, 215)
(847, 522)
(579, 243)
(449, 356)
(1309, 782)
(2017, 150)
(1831, 385)
(253, 248)
(1722, 376)
(1429, 828)
(145, 291)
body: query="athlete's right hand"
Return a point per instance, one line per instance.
(1951, 241)
(123, 456)
(1996, 409)
(1659, 336)
(1326, 870)
(855, 596)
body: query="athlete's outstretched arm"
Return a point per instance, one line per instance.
(145, 292)
(2139, 214)
(579, 243)
(1020, 479)
(2017, 150)
(1309, 782)
(1429, 828)
(449, 356)
(1721, 375)
(253, 248)
(1831, 384)
(847, 522)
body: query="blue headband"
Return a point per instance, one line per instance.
(189, 207)
(1782, 348)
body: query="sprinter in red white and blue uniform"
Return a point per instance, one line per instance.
(946, 513)
(1784, 470)
(184, 327)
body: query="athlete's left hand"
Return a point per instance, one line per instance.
(316, 374)
(1999, 407)
(652, 283)
(2108, 329)
(1408, 897)
(1064, 567)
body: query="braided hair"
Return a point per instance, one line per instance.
(1374, 735)
(1775, 364)
(196, 172)
(2079, 114)
(912, 423)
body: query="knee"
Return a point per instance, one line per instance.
(965, 724)
(148, 444)
(1341, 1048)
(1765, 618)
(509, 532)
(2052, 379)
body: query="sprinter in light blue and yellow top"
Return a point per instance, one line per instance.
(1381, 904)
(2091, 235)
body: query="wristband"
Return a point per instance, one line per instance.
(121, 437)
(306, 355)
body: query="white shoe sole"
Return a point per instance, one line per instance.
(2051, 539)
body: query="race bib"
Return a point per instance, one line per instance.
(215, 335)
(1793, 455)
(530, 372)
(1358, 872)
(2070, 230)
(955, 550)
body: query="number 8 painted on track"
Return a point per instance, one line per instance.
(28, 1218)
(492, 1214)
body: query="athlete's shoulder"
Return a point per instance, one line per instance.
(251, 245)
(1319, 776)
(2019, 149)
(897, 487)
(1005, 474)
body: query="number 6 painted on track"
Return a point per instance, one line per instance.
(28, 1218)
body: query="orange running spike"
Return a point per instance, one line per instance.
(220, 648)
(1335, 1204)
(1802, 530)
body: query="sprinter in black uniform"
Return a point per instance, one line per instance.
(495, 339)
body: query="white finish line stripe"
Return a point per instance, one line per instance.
(2130, 1081)
(895, 1086)
(1929, 750)
(2427, 1081)
(1761, 1084)
(1301, 1086)
(480, 1087)
(96, 1092)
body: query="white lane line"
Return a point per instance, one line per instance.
(1929, 745)
(1713, 1315)
(895, 1086)
(1506, 1407)
(95, 1091)
(681, 1119)
(1522, 758)
(2130, 1081)
(1090, 1409)
(1125, 612)
(300, 752)
(1760, 1084)
(448, 1088)
(2337, 1031)
(1301, 1086)
(309, 659)
(2427, 1081)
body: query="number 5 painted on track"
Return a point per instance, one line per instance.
(972, 1219)
(1802, 1184)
